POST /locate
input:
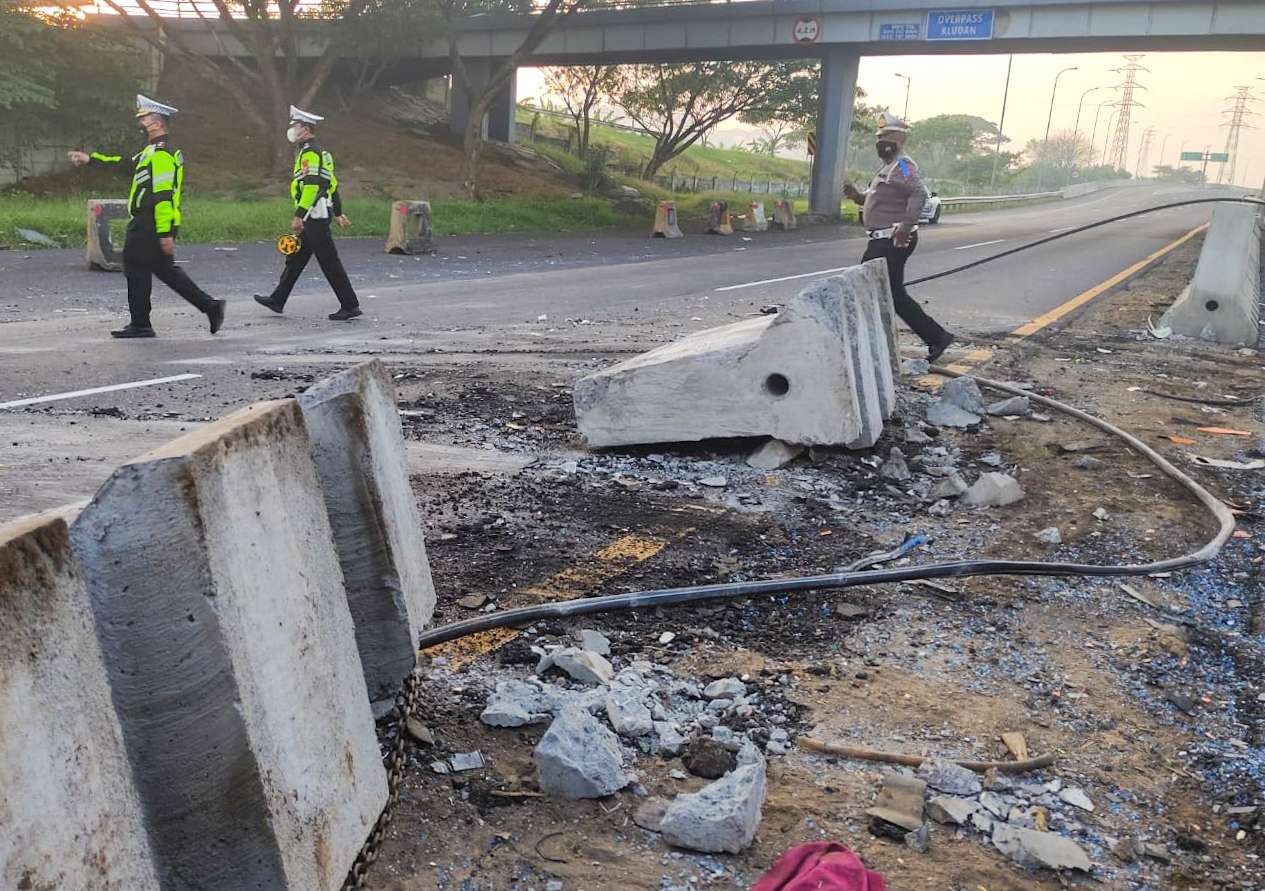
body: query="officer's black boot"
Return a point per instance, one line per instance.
(346, 314)
(216, 315)
(131, 331)
(270, 303)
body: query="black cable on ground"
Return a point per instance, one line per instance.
(526, 615)
(1079, 229)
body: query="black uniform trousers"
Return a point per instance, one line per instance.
(316, 239)
(906, 307)
(143, 261)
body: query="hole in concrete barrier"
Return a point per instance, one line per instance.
(1212, 306)
(777, 385)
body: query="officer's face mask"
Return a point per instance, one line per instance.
(293, 133)
(886, 149)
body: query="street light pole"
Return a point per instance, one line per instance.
(1163, 149)
(1111, 117)
(1093, 137)
(909, 82)
(1077, 127)
(1045, 144)
(992, 183)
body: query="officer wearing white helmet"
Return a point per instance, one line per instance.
(314, 189)
(153, 203)
(892, 205)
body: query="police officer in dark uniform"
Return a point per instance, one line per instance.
(154, 205)
(314, 188)
(892, 205)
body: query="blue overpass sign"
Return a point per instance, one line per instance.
(960, 24)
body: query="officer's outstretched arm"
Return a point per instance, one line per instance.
(113, 163)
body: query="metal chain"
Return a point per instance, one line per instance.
(395, 773)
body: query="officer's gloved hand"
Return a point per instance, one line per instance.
(343, 221)
(296, 225)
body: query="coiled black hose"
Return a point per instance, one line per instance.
(526, 615)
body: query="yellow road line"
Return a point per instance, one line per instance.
(978, 357)
(606, 564)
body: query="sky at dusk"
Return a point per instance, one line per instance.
(1184, 97)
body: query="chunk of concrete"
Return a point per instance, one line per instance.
(232, 656)
(950, 810)
(358, 448)
(583, 666)
(579, 758)
(950, 487)
(725, 688)
(628, 715)
(896, 468)
(1027, 847)
(821, 372)
(994, 490)
(70, 813)
(515, 704)
(774, 454)
(722, 816)
(946, 776)
(1223, 301)
(1015, 405)
(964, 392)
(946, 414)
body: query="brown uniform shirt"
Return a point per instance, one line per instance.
(896, 195)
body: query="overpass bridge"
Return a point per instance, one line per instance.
(839, 32)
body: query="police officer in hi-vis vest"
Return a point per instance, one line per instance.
(314, 189)
(892, 205)
(153, 203)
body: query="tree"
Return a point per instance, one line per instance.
(1167, 173)
(271, 32)
(680, 104)
(483, 94)
(581, 87)
(1063, 153)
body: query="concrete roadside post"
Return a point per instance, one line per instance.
(232, 658)
(718, 222)
(784, 216)
(756, 221)
(70, 817)
(102, 255)
(358, 448)
(410, 230)
(665, 223)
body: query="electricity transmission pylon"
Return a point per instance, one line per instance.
(1116, 155)
(1237, 112)
(1144, 152)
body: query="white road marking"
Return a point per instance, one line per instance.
(967, 247)
(57, 397)
(1061, 229)
(785, 278)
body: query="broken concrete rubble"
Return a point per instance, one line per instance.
(945, 776)
(723, 816)
(582, 665)
(946, 414)
(950, 487)
(774, 454)
(627, 713)
(1048, 850)
(899, 804)
(1050, 536)
(709, 757)
(895, 467)
(1015, 405)
(579, 758)
(964, 392)
(951, 810)
(725, 688)
(821, 372)
(994, 490)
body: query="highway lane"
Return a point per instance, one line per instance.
(650, 288)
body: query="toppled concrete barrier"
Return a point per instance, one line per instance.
(756, 221)
(358, 448)
(70, 817)
(718, 221)
(818, 373)
(232, 657)
(784, 215)
(1223, 300)
(101, 252)
(665, 222)
(410, 230)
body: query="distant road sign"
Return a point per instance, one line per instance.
(812, 143)
(905, 31)
(960, 24)
(1192, 156)
(1219, 156)
(807, 29)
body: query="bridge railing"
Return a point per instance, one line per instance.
(972, 200)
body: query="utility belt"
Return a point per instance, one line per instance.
(887, 233)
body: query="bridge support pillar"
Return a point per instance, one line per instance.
(834, 123)
(498, 124)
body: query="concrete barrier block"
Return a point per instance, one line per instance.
(101, 253)
(756, 221)
(784, 215)
(70, 817)
(718, 221)
(1223, 300)
(665, 222)
(358, 447)
(232, 657)
(410, 230)
(817, 373)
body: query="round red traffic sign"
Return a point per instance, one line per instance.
(806, 29)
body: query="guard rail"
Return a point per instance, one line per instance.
(967, 200)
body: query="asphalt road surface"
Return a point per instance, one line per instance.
(589, 294)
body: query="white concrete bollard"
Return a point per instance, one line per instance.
(70, 817)
(410, 230)
(1223, 301)
(101, 253)
(756, 221)
(358, 447)
(817, 373)
(784, 215)
(665, 222)
(232, 657)
(718, 220)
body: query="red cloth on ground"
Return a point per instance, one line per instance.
(820, 866)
